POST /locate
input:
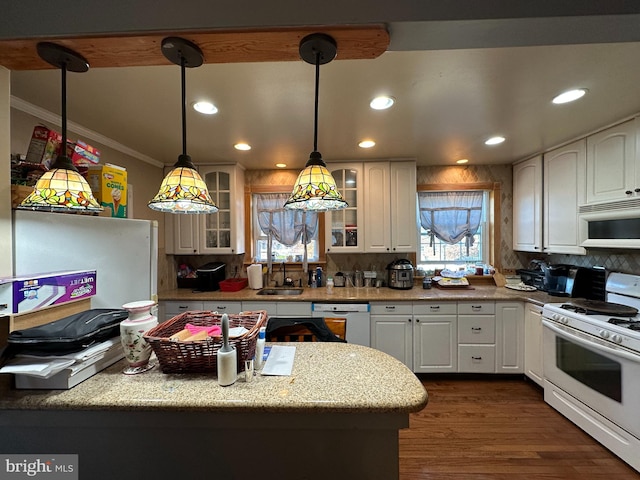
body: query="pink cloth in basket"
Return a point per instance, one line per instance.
(212, 331)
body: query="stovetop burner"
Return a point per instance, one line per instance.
(626, 322)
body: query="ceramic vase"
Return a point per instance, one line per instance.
(137, 352)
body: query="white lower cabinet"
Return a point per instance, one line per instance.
(533, 342)
(509, 337)
(392, 330)
(476, 337)
(435, 342)
(465, 337)
(170, 308)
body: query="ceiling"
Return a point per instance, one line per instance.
(448, 102)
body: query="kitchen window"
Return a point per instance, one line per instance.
(453, 228)
(282, 232)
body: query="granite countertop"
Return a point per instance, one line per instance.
(368, 294)
(326, 378)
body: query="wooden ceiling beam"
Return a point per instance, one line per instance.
(273, 45)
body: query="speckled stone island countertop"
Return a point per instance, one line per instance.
(370, 294)
(326, 377)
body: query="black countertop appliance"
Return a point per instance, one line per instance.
(567, 281)
(210, 275)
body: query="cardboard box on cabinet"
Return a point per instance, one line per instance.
(44, 146)
(109, 185)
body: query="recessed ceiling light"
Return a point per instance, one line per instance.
(367, 144)
(462, 160)
(382, 102)
(207, 108)
(494, 140)
(570, 96)
(242, 146)
(281, 165)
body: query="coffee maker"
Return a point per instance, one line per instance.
(566, 281)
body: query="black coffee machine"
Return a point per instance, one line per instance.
(566, 281)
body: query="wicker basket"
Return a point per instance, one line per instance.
(201, 356)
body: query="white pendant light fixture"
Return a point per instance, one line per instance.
(62, 188)
(315, 189)
(183, 190)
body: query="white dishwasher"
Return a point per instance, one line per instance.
(357, 315)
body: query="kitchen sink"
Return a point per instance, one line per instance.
(280, 291)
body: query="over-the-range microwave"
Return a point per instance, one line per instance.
(611, 224)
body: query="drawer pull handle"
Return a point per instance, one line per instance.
(476, 307)
(476, 358)
(183, 307)
(476, 329)
(435, 307)
(221, 308)
(390, 307)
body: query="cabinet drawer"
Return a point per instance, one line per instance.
(223, 307)
(471, 308)
(477, 358)
(269, 307)
(294, 309)
(431, 308)
(476, 329)
(391, 309)
(175, 308)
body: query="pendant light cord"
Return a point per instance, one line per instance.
(315, 125)
(184, 105)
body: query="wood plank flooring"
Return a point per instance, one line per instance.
(495, 428)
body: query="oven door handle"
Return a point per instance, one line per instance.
(578, 337)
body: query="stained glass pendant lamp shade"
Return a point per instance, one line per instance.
(315, 189)
(183, 190)
(62, 188)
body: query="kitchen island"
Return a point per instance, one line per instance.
(337, 416)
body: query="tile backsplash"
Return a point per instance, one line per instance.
(624, 261)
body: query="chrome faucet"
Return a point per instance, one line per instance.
(286, 281)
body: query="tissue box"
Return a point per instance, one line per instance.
(109, 185)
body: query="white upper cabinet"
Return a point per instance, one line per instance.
(527, 205)
(564, 190)
(344, 231)
(404, 220)
(390, 206)
(613, 167)
(215, 233)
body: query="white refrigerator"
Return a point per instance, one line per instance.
(124, 252)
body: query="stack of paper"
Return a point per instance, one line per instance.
(63, 371)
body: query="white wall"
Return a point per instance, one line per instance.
(6, 258)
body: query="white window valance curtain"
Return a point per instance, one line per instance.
(451, 216)
(285, 226)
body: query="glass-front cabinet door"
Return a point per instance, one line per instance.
(217, 227)
(223, 232)
(343, 230)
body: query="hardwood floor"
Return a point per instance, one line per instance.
(481, 428)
